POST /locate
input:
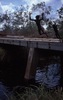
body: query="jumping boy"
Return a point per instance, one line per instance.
(38, 20)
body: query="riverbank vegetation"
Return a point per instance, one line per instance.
(36, 93)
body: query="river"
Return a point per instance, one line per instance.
(48, 73)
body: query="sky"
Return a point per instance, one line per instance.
(10, 5)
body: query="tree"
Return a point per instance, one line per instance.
(41, 7)
(60, 13)
(20, 19)
(5, 21)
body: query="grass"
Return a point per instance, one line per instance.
(36, 93)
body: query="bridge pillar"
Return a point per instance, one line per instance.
(31, 64)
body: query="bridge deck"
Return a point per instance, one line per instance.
(43, 43)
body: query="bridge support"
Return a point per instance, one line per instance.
(31, 64)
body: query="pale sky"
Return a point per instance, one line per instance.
(10, 5)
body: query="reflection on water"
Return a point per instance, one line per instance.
(49, 76)
(49, 73)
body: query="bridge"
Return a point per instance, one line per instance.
(41, 43)
(32, 44)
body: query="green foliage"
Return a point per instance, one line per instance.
(37, 93)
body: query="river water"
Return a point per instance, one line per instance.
(3, 92)
(50, 77)
(48, 74)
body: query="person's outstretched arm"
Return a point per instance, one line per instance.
(30, 17)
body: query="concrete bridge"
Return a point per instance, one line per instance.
(32, 44)
(42, 43)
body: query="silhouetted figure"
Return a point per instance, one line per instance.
(56, 30)
(38, 20)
